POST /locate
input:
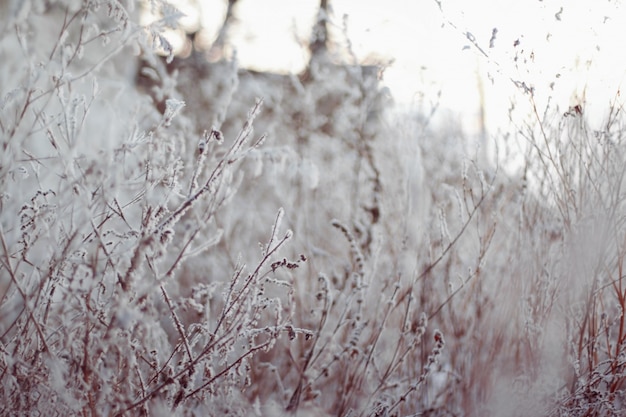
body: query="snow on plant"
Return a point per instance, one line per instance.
(101, 208)
(147, 267)
(561, 265)
(125, 230)
(580, 176)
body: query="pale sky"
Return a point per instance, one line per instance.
(563, 47)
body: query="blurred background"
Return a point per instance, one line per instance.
(473, 60)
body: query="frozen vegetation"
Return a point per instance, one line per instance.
(181, 238)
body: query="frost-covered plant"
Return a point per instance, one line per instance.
(577, 304)
(408, 251)
(104, 202)
(419, 278)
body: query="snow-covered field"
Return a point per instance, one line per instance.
(192, 238)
